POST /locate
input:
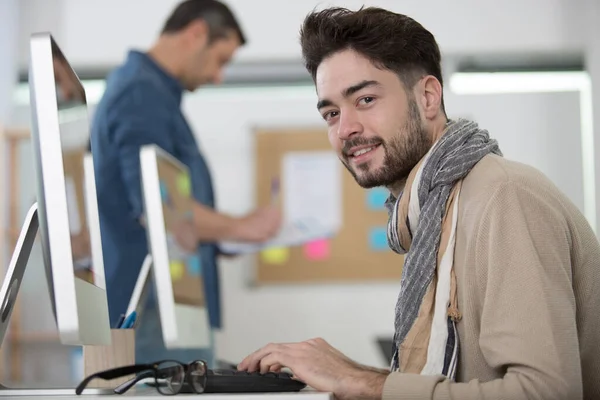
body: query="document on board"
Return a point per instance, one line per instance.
(291, 234)
(312, 197)
(312, 188)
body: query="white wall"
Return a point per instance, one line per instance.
(9, 17)
(93, 33)
(593, 67)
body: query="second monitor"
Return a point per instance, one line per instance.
(179, 285)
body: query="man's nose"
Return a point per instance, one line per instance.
(349, 125)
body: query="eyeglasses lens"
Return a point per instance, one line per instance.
(170, 376)
(198, 376)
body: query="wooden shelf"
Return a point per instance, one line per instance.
(17, 134)
(10, 139)
(34, 337)
(13, 236)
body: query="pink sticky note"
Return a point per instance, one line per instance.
(317, 250)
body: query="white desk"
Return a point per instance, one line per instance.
(152, 394)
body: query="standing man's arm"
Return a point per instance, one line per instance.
(139, 122)
(257, 226)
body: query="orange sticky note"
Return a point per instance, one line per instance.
(177, 269)
(317, 250)
(275, 255)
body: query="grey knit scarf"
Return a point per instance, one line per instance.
(451, 158)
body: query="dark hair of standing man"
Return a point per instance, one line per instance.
(218, 17)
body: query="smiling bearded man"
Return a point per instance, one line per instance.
(500, 287)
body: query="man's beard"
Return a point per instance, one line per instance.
(401, 153)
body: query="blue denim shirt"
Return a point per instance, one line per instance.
(141, 105)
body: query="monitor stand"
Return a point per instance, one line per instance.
(8, 296)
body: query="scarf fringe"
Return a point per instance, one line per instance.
(453, 311)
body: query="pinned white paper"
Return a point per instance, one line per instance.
(312, 188)
(312, 196)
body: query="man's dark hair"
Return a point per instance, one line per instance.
(218, 17)
(391, 41)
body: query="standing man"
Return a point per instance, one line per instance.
(141, 106)
(500, 286)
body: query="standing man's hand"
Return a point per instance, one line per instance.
(321, 366)
(185, 235)
(260, 225)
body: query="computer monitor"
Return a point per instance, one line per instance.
(68, 214)
(179, 288)
(60, 124)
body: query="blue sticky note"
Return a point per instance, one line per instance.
(378, 239)
(164, 192)
(194, 265)
(376, 198)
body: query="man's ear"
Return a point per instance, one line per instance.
(197, 32)
(431, 96)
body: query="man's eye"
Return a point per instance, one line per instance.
(367, 99)
(328, 115)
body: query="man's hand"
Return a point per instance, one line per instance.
(212, 226)
(320, 366)
(259, 226)
(185, 235)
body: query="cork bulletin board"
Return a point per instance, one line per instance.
(358, 252)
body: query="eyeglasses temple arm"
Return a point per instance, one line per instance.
(112, 374)
(122, 388)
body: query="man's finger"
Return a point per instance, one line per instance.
(274, 359)
(251, 362)
(275, 368)
(243, 365)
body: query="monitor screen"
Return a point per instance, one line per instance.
(74, 131)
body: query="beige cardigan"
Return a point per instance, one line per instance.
(528, 276)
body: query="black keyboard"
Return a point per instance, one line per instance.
(234, 381)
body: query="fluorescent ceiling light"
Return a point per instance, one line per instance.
(466, 83)
(94, 89)
(518, 82)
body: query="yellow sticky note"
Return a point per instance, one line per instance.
(183, 185)
(275, 255)
(177, 269)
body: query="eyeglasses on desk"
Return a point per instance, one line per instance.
(169, 376)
